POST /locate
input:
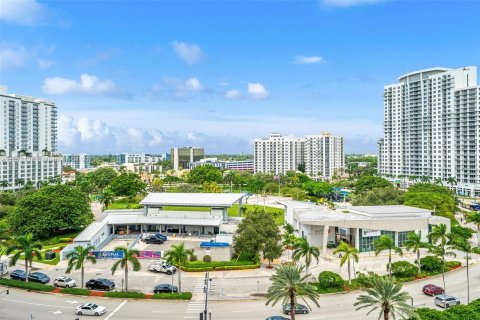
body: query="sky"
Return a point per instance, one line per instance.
(144, 76)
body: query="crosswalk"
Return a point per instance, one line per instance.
(197, 304)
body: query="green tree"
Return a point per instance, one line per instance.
(106, 198)
(303, 249)
(102, 178)
(386, 242)
(440, 238)
(271, 250)
(179, 255)
(370, 182)
(77, 259)
(348, 253)
(378, 197)
(256, 185)
(26, 246)
(130, 256)
(386, 297)
(4, 236)
(50, 209)
(288, 285)
(171, 179)
(474, 217)
(157, 185)
(415, 244)
(4, 185)
(206, 173)
(128, 185)
(451, 181)
(288, 237)
(431, 197)
(317, 188)
(229, 177)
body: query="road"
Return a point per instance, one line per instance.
(28, 305)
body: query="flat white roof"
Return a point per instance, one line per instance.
(89, 232)
(142, 219)
(390, 211)
(225, 200)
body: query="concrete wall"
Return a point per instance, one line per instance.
(217, 254)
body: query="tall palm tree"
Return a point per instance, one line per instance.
(464, 246)
(386, 242)
(288, 285)
(438, 181)
(452, 181)
(440, 238)
(4, 184)
(106, 198)
(78, 258)
(130, 256)
(348, 253)
(386, 297)
(179, 256)
(27, 246)
(303, 249)
(414, 243)
(229, 177)
(475, 219)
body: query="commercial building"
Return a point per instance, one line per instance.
(241, 165)
(28, 140)
(432, 128)
(322, 155)
(359, 226)
(181, 157)
(78, 161)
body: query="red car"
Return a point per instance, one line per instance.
(432, 290)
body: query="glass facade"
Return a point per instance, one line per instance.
(366, 238)
(402, 236)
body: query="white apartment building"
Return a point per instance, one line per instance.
(321, 154)
(432, 128)
(124, 158)
(28, 140)
(78, 161)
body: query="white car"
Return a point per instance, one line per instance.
(90, 309)
(64, 282)
(162, 266)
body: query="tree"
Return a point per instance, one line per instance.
(4, 236)
(26, 246)
(229, 177)
(157, 185)
(4, 185)
(288, 285)
(106, 198)
(171, 179)
(451, 181)
(128, 185)
(255, 185)
(386, 242)
(439, 239)
(130, 256)
(102, 177)
(271, 250)
(431, 197)
(205, 173)
(475, 219)
(414, 243)
(386, 296)
(348, 253)
(303, 249)
(288, 237)
(179, 256)
(317, 188)
(50, 209)
(378, 197)
(370, 182)
(77, 259)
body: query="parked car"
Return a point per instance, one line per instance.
(64, 282)
(164, 288)
(162, 266)
(277, 318)
(90, 309)
(18, 275)
(151, 234)
(299, 308)
(446, 301)
(432, 290)
(100, 284)
(153, 240)
(38, 277)
(331, 244)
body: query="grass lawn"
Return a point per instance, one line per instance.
(52, 262)
(59, 239)
(279, 218)
(123, 203)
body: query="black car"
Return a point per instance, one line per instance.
(100, 284)
(18, 275)
(164, 288)
(38, 277)
(299, 308)
(153, 240)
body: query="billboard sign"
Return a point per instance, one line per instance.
(370, 233)
(107, 254)
(150, 255)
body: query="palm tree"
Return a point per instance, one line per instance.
(440, 245)
(425, 179)
(19, 181)
(229, 177)
(438, 181)
(386, 242)
(3, 237)
(452, 181)
(4, 184)
(106, 198)
(414, 243)
(347, 252)
(288, 284)
(303, 249)
(475, 218)
(27, 246)
(129, 256)
(78, 257)
(464, 246)
(386, 296)
(179, 256)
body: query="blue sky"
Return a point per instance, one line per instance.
(132, 76)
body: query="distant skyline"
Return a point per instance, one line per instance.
(146, 76)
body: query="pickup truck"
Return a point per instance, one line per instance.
(162, 267)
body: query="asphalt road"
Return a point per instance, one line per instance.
(28, 305)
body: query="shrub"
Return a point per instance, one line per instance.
(431, 314)
(207, 258)
(328, 279)
(364, 279)
(120, 294)
(65, 239)
(476, 250)
(462, 232)
(431, 264)
(174, 296)
(452, 264)
(193, 257)
(29, 286)
(76, 291)
(404, 269)
(463, 312)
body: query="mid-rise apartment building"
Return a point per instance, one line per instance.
(124, 158)
(78, 161)
(321, 154)
(234, 165)
(432, 128)
(28, 140)
(181, 157)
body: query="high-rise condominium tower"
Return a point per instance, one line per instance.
(432, 129)
(324, 155)
(28, 140)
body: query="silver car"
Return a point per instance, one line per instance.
(64, 282)
(445, 301)
(90, 309)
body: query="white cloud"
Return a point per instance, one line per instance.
(348, 3)
(257, 91)
(175, 88)
(233, 94)
(13, 55)
(88, 84)
(190, 53)
(307, 60)
(23, 12)
(45, 64)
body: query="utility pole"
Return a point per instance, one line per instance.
(205, 315)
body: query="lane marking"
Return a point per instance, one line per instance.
(116, 309)
(36, 304)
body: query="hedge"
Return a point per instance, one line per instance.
(328, 279)
(216, 264)
(174, 296)
(220, 268)
(461, 312)
(120, 294)
(76, 291)
(404, 269)
(26, 285)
